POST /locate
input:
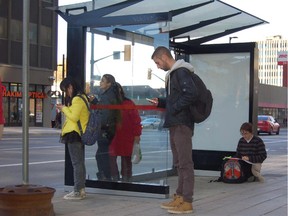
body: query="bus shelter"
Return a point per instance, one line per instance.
(118, 37)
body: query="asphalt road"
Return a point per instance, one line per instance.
(46, 157)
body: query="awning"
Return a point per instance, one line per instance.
(197, 21)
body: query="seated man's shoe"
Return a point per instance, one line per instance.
(182, 208)
(251, 179)
(175, 202)
(261, 179)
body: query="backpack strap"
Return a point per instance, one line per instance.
(78, 122)
(79, 95)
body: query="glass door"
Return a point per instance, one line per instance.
(129, 61)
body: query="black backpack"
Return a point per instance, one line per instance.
(201, 109)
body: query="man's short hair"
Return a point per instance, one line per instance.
(246, 127)
(161, 50)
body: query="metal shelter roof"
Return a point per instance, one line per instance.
(198, 21)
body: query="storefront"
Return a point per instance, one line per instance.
(12, 104)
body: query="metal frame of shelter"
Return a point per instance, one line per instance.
(197, 22)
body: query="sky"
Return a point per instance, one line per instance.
(274, 12)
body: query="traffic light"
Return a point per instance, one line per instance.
(116, 55)
(127, 52)
(149, 75)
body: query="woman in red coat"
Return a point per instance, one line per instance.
(128, 131)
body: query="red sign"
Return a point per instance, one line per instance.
(282, 58)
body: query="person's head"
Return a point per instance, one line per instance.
(246, 130)
(163, 58)
(107, 81)
(70, 87)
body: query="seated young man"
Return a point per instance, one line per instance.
(251, 148)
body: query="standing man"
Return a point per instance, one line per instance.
(180, 93)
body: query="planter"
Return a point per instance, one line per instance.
(26, 200)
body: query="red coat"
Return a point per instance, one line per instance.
(126, 130)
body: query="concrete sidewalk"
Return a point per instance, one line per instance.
(10, 131)
(210, 198)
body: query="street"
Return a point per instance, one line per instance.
(46, 157)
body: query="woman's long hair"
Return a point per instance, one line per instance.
(75, 86)
(121, 94)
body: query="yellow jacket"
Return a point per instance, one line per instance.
(78, 110)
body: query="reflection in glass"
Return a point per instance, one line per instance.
(132, 75)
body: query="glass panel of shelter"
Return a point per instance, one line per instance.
(138, 84)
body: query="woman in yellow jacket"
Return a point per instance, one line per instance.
(74, 110)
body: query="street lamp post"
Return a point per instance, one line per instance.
(230, 38)
(116, 55)
(63, 75)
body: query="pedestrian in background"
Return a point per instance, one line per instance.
(53, 115)
(181, 92)
(74, 110)
(2, 118)
(128, 131)
(251, 148)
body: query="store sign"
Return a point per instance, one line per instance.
(282, 58)
(17, 94)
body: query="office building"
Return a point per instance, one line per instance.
(42, 56)
(270, 72)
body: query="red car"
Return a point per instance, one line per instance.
(267, 124)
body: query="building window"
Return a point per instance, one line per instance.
(16, 30)
(45, 36)
(3, 27)
(33, 33)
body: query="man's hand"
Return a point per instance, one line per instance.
(245, 158)
(154, 101)
(59, 106)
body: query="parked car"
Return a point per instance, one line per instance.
(151, 123)
(267, 124)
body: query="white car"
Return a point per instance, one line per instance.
(151, 123)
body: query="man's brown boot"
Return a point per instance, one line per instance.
(182, 208)
(175, 202)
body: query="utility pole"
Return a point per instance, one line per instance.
(25, 74)
(230, 38)
(63, 74)
(92, 55)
